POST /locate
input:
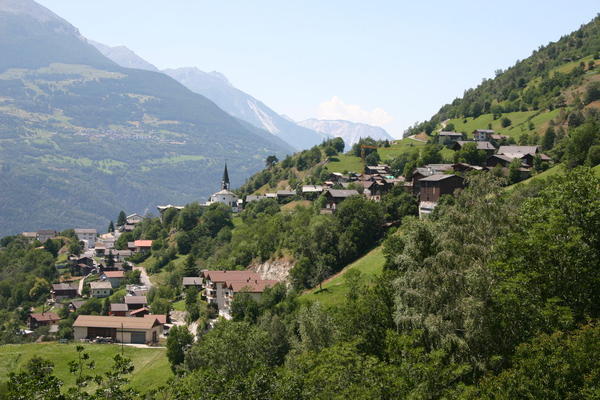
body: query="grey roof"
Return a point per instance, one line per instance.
(312, 188)
(118, 307)
(518, 150)
(83, 230)
(62, 286)
(436, 177)
(445, 133)
(254, 197)
(286, 193)
(100, 285)
(484, 130)
(481, 145)
(77, 303)
(342, 193)
(192, 281)
(135, 300)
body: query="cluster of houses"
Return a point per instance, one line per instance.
(221, 287)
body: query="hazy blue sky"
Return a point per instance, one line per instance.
(388, 63)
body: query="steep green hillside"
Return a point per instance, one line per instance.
(81, 138)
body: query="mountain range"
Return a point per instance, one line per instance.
(82, 137)
(215, 86)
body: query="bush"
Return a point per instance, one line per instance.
(505, 122)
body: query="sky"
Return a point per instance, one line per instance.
(386, 63)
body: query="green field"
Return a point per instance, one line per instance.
(151, 365)
(405, 145)
(520, 123)
(334, 290)
(344, 163)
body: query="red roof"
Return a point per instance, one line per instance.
(139, 310)
(114, 274)
(143, 243)
(49, 316)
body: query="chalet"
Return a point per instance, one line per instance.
(254, 288)
(30, 236)
(435, 186)
(134, 219)
(480, 145)
(427, 170)
(142, 246)
(99, 249)
(135, 302)
(216, 281)
(381, 169)
(312, 189)
(46, 318)
(336, 196)
(120, 329)
(45, 234)
(114, 277)
(483, 135)
(449, 137)
(192, 281)
(285, 194)
(76, 305)
(100, 289)
(87, 236)
(118, 309)
(63, 291)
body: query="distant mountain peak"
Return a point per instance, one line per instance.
(351, 132)
(123, 56)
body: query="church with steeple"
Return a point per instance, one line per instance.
(225, 196)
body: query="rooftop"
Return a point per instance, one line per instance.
(101, 321)
(84, 230)
(341, 193)
(118, 307)
(100, 285)
(437, 177)
(223, 276)
(49, 316)
(114, 274)
(192, 281)
(143, 243)
(135, 300)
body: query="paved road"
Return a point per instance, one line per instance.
(144, 278)
(80, 289)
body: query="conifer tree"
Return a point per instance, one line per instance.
(122, 219)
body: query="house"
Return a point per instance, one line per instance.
(480, 145)
(140, 312)
(120, 329)
(525, 153)
(42, 319)
(135, 302)
(76, 305)
(224, 196)
(118, 309)
(120, 255)
(253, 287)
(45, 234)
(87, 236)
(216, 281)
(161, 318)
(255, 197)
(498, 138)
(30, 236)
(192, 281)
(285, 194)
(435, 186)
(63, 291)
(427, 170)
(312, 191)
(380, 169)
(114, 277)
(449, 137)
(99, 249)
(134, 219)
(464, 167)
(483, 135)
(100, 289)
(142, 246)
(336, 196)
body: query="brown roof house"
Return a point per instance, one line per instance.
(336, 196)
(435, 186)
(114, 277)
(253, 287)
(120, 329)
(135, 302)
(63, 291)
(118, 309)
(192, 281)
(41, 319)
(216, 281)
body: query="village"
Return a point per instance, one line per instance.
(100, 269)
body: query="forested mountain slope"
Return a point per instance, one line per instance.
(82, 138)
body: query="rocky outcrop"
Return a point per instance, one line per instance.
(278, 269)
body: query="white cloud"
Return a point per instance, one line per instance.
(337, 109)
